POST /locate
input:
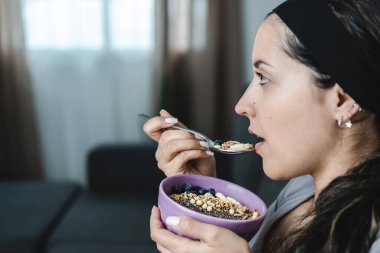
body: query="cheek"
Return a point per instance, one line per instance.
(295, 141)
(283, 159)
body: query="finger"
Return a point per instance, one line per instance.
(172, 134)
(196, 229)
(182, 158)
(162, 249)
(155, 219)
(165, 114)
(172, 148)
(165, 238)
(155, 126)
(169, 135)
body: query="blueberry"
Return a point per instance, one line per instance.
(212, 191)
(218, 142)
(177, 189)
(195, 189)
(201, 191)
(187, 187)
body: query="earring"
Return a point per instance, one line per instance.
(344, 125)
(348, 124)
(356, 104)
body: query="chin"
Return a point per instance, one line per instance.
(276, 174)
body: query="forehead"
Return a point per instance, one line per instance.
(268, 41)
(269, 48)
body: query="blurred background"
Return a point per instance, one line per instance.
(74, 74)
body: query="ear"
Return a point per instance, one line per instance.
(344, 105)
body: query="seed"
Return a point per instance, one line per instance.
(209, 208)
(192, 201)
(220, 195)
(208, 195)
(204, 206)
(233, 201)
(231, 211)
(199, 202)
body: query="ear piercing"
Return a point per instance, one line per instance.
(348, 124)
(356, 104)
(344, 125)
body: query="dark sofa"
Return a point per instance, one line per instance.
(111, 214)
(30, 211)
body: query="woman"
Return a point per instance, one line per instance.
(314, 100)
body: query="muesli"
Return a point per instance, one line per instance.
(212, 203)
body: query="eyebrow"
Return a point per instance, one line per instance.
(259, 62)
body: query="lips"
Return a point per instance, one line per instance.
(258, 137)
(258, 140)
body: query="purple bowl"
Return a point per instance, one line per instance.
(245, 228)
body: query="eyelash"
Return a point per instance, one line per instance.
(261, 76)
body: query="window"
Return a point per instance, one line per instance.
(89, 24)
(92, 70)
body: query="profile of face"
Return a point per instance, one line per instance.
(287, 109)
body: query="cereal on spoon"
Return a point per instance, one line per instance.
(233, 146)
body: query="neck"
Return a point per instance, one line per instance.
(346, 155)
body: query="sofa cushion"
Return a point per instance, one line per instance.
(29, 211)
(105, 223)
(123, 168)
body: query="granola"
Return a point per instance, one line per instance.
(234, 146)
(216, 205)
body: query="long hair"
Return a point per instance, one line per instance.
(346, 214)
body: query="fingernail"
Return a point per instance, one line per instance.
(154, 206)
(209, 153)
(204, 144)
(171, 120)
(163, 111)
(172, 220)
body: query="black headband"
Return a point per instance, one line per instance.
(334, 48)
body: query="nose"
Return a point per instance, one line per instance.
(246, 105)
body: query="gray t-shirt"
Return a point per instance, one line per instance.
(297, 191)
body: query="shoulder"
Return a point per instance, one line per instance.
(298, 187)
(375, 248)
(295, 192)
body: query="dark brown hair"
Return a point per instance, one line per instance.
(346, 214)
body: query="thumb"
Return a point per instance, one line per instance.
(165, 114)
(191, 227)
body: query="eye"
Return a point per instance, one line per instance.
(263, 79)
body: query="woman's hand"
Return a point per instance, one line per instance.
(179, 152)
(212, 239)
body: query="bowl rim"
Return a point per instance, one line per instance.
(212, 218)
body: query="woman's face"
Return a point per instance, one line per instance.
(286, 109)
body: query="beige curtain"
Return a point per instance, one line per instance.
(19, 149)
(198, 62)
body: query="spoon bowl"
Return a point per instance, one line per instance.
(203, 137)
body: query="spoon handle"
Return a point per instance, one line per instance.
(202, 136)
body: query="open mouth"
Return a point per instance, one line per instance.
(259, 139)
(258, 142)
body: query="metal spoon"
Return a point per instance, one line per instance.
(201, 136)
